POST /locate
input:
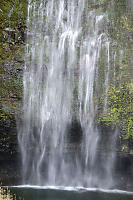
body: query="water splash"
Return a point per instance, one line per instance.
(64, 41)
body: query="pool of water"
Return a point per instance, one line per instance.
(67, 193)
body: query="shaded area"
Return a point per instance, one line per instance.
(47, 194)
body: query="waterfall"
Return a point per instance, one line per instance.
(58, 137)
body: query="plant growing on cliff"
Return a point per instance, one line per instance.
(12, 27)
(119, 110)
(5, 194)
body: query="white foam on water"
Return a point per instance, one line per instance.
(78, 189)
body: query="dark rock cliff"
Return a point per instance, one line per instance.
(10, 106)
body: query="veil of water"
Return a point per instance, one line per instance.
(58, 137)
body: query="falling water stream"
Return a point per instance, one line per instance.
(58, 137)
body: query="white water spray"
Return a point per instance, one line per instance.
(64, 41)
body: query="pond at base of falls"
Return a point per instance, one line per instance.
(65, 193)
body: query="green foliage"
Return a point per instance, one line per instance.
(119, 29)
(11, 89)
(119, 111)
(102, 2)
(13, 16)
(3, 116)
(12, 27)
(120, 25)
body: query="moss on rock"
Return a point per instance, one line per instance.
(119, 109)
(13, 16)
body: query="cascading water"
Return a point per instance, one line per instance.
(64, 40)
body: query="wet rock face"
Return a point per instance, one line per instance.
(9, 156)
(10, 103)
(8, 136)
(74, 132)
(124, 171)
